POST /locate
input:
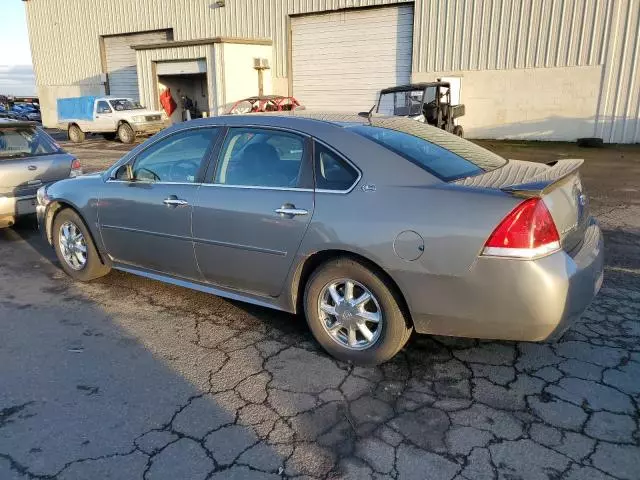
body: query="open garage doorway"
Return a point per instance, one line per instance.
(187, 81)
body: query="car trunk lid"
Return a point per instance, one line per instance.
(24, 175)
(558, 183)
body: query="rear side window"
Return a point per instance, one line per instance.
(332, 172)
(466, 160)
(25, 142)
(254, 157)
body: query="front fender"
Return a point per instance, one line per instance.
(81, 195)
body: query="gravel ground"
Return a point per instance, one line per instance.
(126, 378)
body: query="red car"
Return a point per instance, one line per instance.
(264, 103)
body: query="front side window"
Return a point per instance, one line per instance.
(331, 171)
(177, 158)
(25, 142)
(260, 158)
(103, 107)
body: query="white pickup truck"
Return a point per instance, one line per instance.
(111, 116)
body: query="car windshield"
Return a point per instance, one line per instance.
(125, 104)
(446, 156)
(402, 104)
(25, 142)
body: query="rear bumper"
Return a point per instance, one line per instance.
(14, 207)
(526, 300)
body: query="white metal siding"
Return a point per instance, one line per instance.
(341, 60)
(122, 73)
(181, 68)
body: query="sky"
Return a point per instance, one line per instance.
(16, 71)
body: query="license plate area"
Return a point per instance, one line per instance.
(26, 207)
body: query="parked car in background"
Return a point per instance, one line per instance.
(29, 159)
(264, 103)
(372, 227)
(113, 117)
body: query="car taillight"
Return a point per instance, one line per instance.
(527, 232)
(76, 168)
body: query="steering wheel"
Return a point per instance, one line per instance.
(183, 169)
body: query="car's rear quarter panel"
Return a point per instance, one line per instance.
(454, 222)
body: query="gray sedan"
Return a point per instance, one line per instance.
(373, 227)
(29, 159)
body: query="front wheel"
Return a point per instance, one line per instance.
(126, 133)
(458, 131)
(75, 249)
(354, 313)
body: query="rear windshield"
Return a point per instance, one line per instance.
(25, 142)
(446, 156)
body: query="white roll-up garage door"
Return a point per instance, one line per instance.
(342, 59)
(122, 73)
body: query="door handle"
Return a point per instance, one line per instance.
(173, 201)
(291, 210)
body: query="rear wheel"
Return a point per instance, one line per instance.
(354, 313)
(75, 248)
(109, 136)
(458, 131)
(126, 133)
(76, 135)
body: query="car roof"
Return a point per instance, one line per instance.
(414, 86)
(305, 121)
(308, 122)
(11, 123)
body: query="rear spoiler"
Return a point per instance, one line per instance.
(545, 181)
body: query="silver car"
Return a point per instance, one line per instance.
(29, 159)
(373, 227)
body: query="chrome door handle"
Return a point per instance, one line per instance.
(291, 211)
(175, 202)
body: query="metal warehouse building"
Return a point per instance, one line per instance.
(531, 69)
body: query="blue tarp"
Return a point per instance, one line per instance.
(76, 108)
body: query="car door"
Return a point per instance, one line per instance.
(103, 120)
(250, 217)
(146, 220)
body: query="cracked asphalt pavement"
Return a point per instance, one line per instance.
(127, 378)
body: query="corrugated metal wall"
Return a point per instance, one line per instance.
(449, 35)
(618, 118)
(56, 27)
(502, 34)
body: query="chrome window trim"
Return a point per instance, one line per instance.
(258, 187)
(154, 183)
(345, 159)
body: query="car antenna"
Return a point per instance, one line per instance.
(370, 113)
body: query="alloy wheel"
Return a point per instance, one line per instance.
(73, 246)
(350, 314)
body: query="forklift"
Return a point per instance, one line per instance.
(426, 102)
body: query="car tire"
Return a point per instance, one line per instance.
(126, 133)
(109, 136)
(391, 332)
(76, 135)
(92, 267)
(458, 131)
